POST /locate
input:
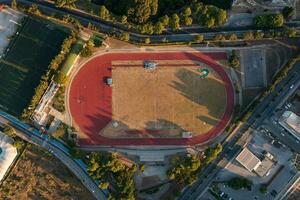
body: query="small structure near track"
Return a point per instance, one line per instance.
(204, 72)
(150, 64)
(109, 81)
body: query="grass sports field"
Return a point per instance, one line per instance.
(151, 107)
(30, 53)
(167, 100)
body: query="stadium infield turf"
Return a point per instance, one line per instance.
(90, 99)
(30, 53)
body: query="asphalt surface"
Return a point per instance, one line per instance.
(232, 147)
(57, 149)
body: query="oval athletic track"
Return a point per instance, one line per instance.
(90, 98)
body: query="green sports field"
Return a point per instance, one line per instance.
(29, 55)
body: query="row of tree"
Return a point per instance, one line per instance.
(185, 170)
(269, 21)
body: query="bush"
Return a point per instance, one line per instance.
(263, 189)
(239, 183)
(269, 21)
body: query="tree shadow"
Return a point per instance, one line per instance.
(196, 89)
(162, 124)
(208, 120)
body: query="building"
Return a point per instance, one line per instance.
(248, 160)
(291, 122)
(8, 153)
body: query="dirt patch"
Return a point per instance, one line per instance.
(39, 175)
(118, 44)
(172, 99)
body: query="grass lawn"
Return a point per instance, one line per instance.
(30, 53)
(75, 51)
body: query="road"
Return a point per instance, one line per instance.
(187, 34)
(56, 148)
(232, 146)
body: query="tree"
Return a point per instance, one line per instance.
(269, 21)
(237, 183)
(65, 3)
(19, 143)
(34, 9)
(212, 153)
(219, 37)
(188, 21)
(288, 12)
(165, 20)
(140, 12)
(142, 167)
(146, 28)
(87, 50)
(154, 7)
(210, 22)
(60, 132)
(9, 131)
(108, 168)
(187, 12)
(259, 35)
(263, 189)
(234, 59)
(174, 22)
(124, 19)
(199, 38)
(104, 13)
(147, 41)
(158, 27)
(290, 32)
(232, 37)
(221, 17)
(103, 185)
(125, 36)
(13, 4)
(76, 153)
(248, 36)
(60, 78)
(185, 170)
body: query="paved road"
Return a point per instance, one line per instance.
(107, 27)
(232, 146)
(33, 136)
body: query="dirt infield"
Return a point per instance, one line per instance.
(151, 107)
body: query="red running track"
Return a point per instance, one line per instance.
(90, 99)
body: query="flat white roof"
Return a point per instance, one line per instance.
(248, 159)
(290, 121)
(7, 153)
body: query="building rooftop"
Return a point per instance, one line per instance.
(7, 153)
(248, 160)
(291, 122)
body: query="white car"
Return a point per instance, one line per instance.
(292, 86)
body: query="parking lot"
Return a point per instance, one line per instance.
(278, 176)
